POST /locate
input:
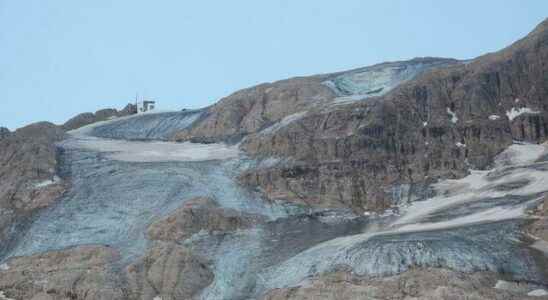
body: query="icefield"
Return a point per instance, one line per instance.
(377, 80)
(125, 175)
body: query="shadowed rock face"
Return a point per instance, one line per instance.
(428, 284)
(200, 214)
(373, 153)
(28, 179)
(79, 273)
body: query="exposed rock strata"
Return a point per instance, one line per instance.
(431, 284)
(200, 214)
(370, 154)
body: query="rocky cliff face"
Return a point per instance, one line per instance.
(378, 151)
(100, 115)
(28, 179)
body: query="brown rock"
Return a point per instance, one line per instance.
(374, 153)
(27, 174)
(251, 109)
(427, 284)
(199, 214)
(83, 272)
(168, 271)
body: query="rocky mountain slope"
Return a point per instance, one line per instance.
(372, 153)
(420, 179)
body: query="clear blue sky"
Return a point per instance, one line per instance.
(59, 58)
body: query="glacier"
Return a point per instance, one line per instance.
(125, 174)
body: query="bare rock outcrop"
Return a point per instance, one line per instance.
(28, 179)
(252, 109)
(83, 273)
(168, 271)
(427, 284)
(372, 153)
(200, 214)
(100, 115)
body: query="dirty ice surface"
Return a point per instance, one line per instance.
(120, 184)
(471, 224)
(378, 80)
(118, 187)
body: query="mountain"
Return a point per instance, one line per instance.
(418, 179)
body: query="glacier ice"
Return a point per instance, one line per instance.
(125, 175)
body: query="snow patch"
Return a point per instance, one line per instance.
(284, 122)
(460, 145)
(453, 115)
(538, 293)
(48, 182)
(516, 112)
(4, 297)
(494, 117)
(138, 151)
(424, 124)
(157, 298)
(520, 154)
(4, 267)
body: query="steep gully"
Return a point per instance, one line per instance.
(122, 179)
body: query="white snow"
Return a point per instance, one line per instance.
(502, 284)
(48, 182)
(4, 297)
(4, 267)
(541, 245)
(454, 117)
(460, 145)
(144, 151)
(516, 112)
(139, 151)
(157, 298)
(476, 186)
(520, 154)
(538, 293)
(284, 122)
(490, 215)
(424, 124)
(494, 117)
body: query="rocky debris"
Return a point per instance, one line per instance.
(83, 272)
(371, 154)
(168, 271)
(28, 178)
(100, 115)
(433, 284)
(200, 214)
